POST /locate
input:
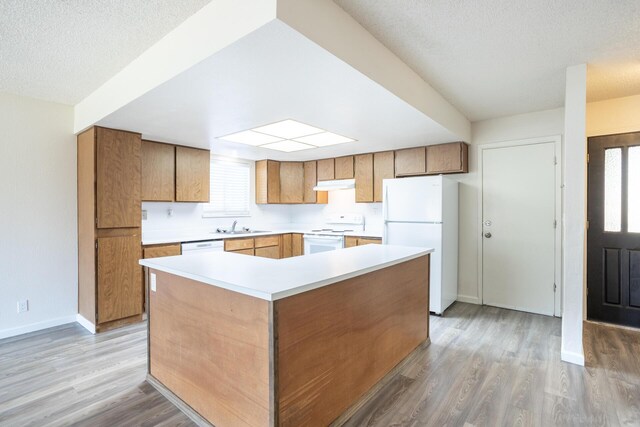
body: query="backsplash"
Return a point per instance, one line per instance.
(188, 216)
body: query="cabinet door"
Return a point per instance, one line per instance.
(310, 181)
(263, 242)
(297, 248)
(350, 242)
(119, 277)
(369, 241)
(192, 175)
(286, 249)
(158, 172)
(267, 182)
(447, 158)
(410, 161)
(291, 182)
(238, 244)
(364, 178)
(272, 252)
(383, 168)
(344, 167)
(118, 179)
(243, 252)
(326, 170)
(161, 251)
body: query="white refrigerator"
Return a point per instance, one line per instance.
(423, 212)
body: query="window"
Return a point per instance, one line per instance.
(230, 188)
(612, 189)
(633, 190)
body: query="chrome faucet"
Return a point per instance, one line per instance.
(233, 227)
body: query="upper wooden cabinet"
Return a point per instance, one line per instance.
(448, 158)
(192, 174)
(344, 167)
(118, 166)
(158, 172)
(291, 182)
(267, 182)
(383, 168)
(310, 181)
(364, 177)
(410, 161)
(326, 170)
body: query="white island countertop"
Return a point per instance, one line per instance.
(273, 279)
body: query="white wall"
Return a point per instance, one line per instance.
(574, 214)
(339, 202)
(38, 247)
(521, 126)
(619, 115)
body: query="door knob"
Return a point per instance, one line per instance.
(487, 235)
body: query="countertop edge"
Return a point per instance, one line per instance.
(283, 294)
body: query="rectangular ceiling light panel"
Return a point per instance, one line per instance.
(288, 129)
(287, 146)
(250, 137)
(324, 139)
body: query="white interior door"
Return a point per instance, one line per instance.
(518, 227)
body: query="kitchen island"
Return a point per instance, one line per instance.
(262, 342)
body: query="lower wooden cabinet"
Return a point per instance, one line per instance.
(297, 247)
(351, 241)
(119, 278)
(268, 252)
(157, 251)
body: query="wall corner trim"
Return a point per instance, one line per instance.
(572, 357)
(82, 321)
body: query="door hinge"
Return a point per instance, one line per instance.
(587, 224)
(587, 157)
(555, 223)
(96, 220)
(96, 245)
(554, 287)
(555, 160)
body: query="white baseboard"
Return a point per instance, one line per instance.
(85, 323)
(572, 357)
(33, 327)
(470, 300)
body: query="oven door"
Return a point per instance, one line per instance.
(314, 243)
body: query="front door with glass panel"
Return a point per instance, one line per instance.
(613, 236)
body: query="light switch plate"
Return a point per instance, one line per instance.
(152, 280)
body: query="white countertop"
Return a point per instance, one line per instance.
(160, 237)
(273, 279)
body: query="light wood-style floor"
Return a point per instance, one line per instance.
(485, 366)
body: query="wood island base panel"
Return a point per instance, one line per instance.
(237, 360)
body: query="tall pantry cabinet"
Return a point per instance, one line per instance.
(110, 286)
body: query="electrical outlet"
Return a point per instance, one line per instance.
(152, 280)
(169, 212)
(23, 305)
(144, 214)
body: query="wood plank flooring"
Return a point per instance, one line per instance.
(485, 367)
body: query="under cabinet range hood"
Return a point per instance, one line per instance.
(336, 184)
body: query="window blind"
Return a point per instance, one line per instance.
(230, 189)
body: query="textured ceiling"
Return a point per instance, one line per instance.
(493, 58)
(62, 50)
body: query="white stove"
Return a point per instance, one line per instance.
(331, 236)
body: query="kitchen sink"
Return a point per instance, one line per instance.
(239, 232)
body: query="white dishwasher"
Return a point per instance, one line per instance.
(200, 247)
